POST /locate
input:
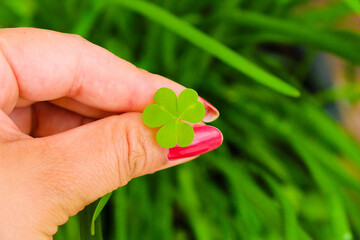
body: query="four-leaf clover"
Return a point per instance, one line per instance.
(172, 114)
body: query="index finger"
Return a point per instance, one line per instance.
(48, 65)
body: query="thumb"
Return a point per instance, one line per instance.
(76, 167)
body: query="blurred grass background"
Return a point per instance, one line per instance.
(288, 169)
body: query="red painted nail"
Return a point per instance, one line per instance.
(211, 112)
(207, 138)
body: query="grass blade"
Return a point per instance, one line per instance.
(85, 217)
(209, 45)
(299, 33)
(100, 206)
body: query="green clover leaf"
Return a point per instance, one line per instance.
(173, 114)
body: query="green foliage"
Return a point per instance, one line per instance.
(99, 207)
(171, 112)
(209, 44)
(287, 168)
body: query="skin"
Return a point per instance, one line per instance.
(63, 141)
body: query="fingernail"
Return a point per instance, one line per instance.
(206, 139)
(211, 113)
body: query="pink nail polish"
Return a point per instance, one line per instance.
(207, 138)
(211, 112)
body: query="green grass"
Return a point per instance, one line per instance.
(283, 170)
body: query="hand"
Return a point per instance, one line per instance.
(71, 129)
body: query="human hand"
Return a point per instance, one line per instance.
(71, 129)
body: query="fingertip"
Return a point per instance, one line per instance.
(211, 112)
(207, 138)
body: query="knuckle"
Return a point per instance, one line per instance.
(132, 149)
(137, 146)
